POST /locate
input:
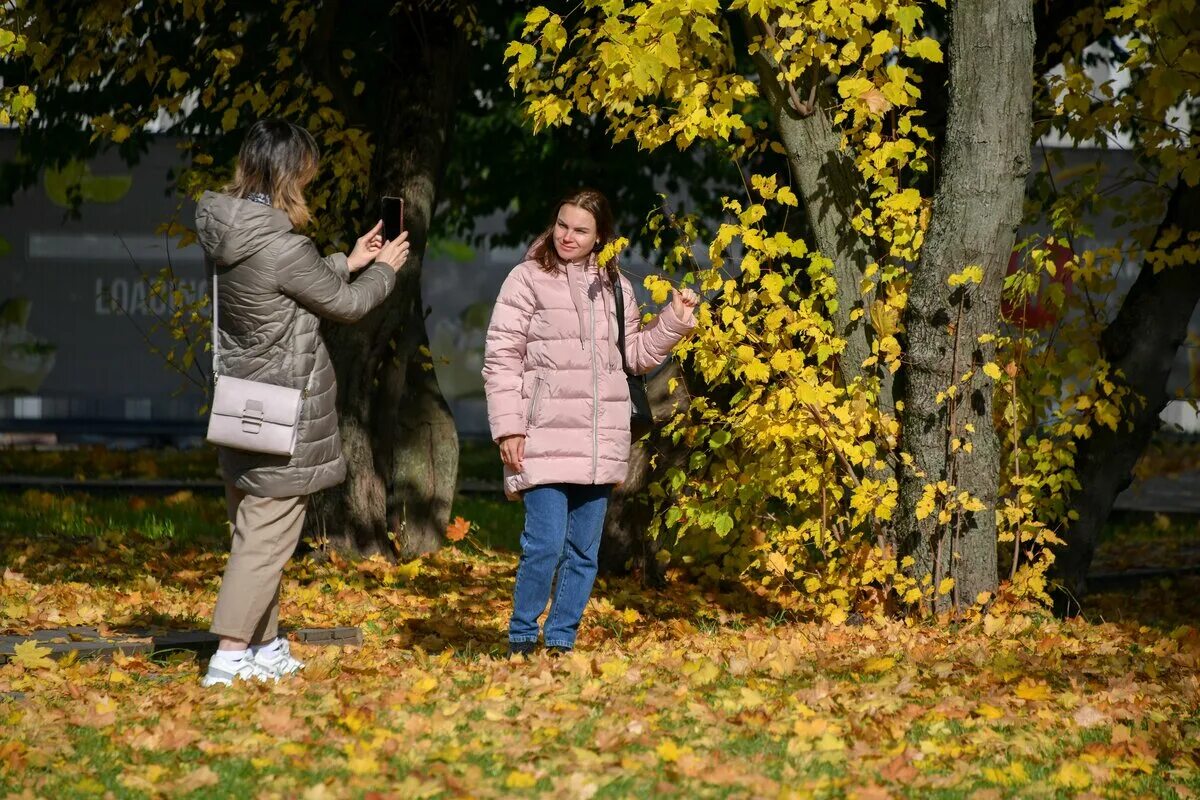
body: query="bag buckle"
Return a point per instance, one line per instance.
(253, 416)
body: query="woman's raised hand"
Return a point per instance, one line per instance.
(366, 249)
(683, 302)
(395, 252)
(512, 452)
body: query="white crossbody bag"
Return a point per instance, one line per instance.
(251, 415)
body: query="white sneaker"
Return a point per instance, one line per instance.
(246, 669)
(278, 661)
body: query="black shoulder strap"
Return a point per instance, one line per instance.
(619, 297)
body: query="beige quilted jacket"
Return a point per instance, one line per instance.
(275, 287)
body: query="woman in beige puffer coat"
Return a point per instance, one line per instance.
(274, 287)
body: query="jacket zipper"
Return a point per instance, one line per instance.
(533, 404)
(595, 385)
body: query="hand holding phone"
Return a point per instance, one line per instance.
(393, 217)
(394, 253)
(366, 248)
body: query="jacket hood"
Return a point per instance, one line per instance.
(231, 229)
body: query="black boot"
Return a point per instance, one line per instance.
(521, 648)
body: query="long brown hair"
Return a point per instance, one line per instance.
(277, 159)
(591, 201)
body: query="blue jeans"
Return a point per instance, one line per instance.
(563, 523)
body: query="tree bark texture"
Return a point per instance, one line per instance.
(976, 211)
(626, 545)
(397, 431)
(1141, 341)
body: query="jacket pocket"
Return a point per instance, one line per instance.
(539, 385)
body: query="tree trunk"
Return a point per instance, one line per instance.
(626, 546)
(975, 215)
(1142, 342)
(829, 186)
(397, 431)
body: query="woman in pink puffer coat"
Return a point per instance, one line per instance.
(558, 406)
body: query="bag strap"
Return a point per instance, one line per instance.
(216, 339)
(619, 297)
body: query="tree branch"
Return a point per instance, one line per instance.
(831, 190)
(1142, 342)
(1048, 17)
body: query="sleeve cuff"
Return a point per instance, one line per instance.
(340, 265)
(673, 325)
(508, 425)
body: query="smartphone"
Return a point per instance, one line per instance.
(393, 217)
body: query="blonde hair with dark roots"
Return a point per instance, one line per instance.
(591, 201)
(278, 159)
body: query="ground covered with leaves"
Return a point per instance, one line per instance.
(684, 691)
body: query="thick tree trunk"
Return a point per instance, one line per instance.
(397, 431)
(627, 546)
(1141, 342)
(975, 215)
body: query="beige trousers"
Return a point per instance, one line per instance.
(265, 533)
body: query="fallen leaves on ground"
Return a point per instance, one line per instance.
(677, 692)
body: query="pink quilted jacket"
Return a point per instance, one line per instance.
(552, 372)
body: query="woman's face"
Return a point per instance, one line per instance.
(574, 233)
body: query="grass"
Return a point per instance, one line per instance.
(101, 463)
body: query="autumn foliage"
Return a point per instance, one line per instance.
(675, 692)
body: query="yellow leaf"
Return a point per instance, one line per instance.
(536, 17)
(1073, 776)
(992, 370)
(525, 56)
(972, 274)
(611, 670)
(362, 765)
(945, 586)
(879, 664)
(705, 672)
(1033, 690)
(31, 655)
(926, 48)
(988, 711)
(829, 743)
(667, 750)
(659, 288)
(882, 42)
(907, 16)
(425, 685)
(520, 780)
